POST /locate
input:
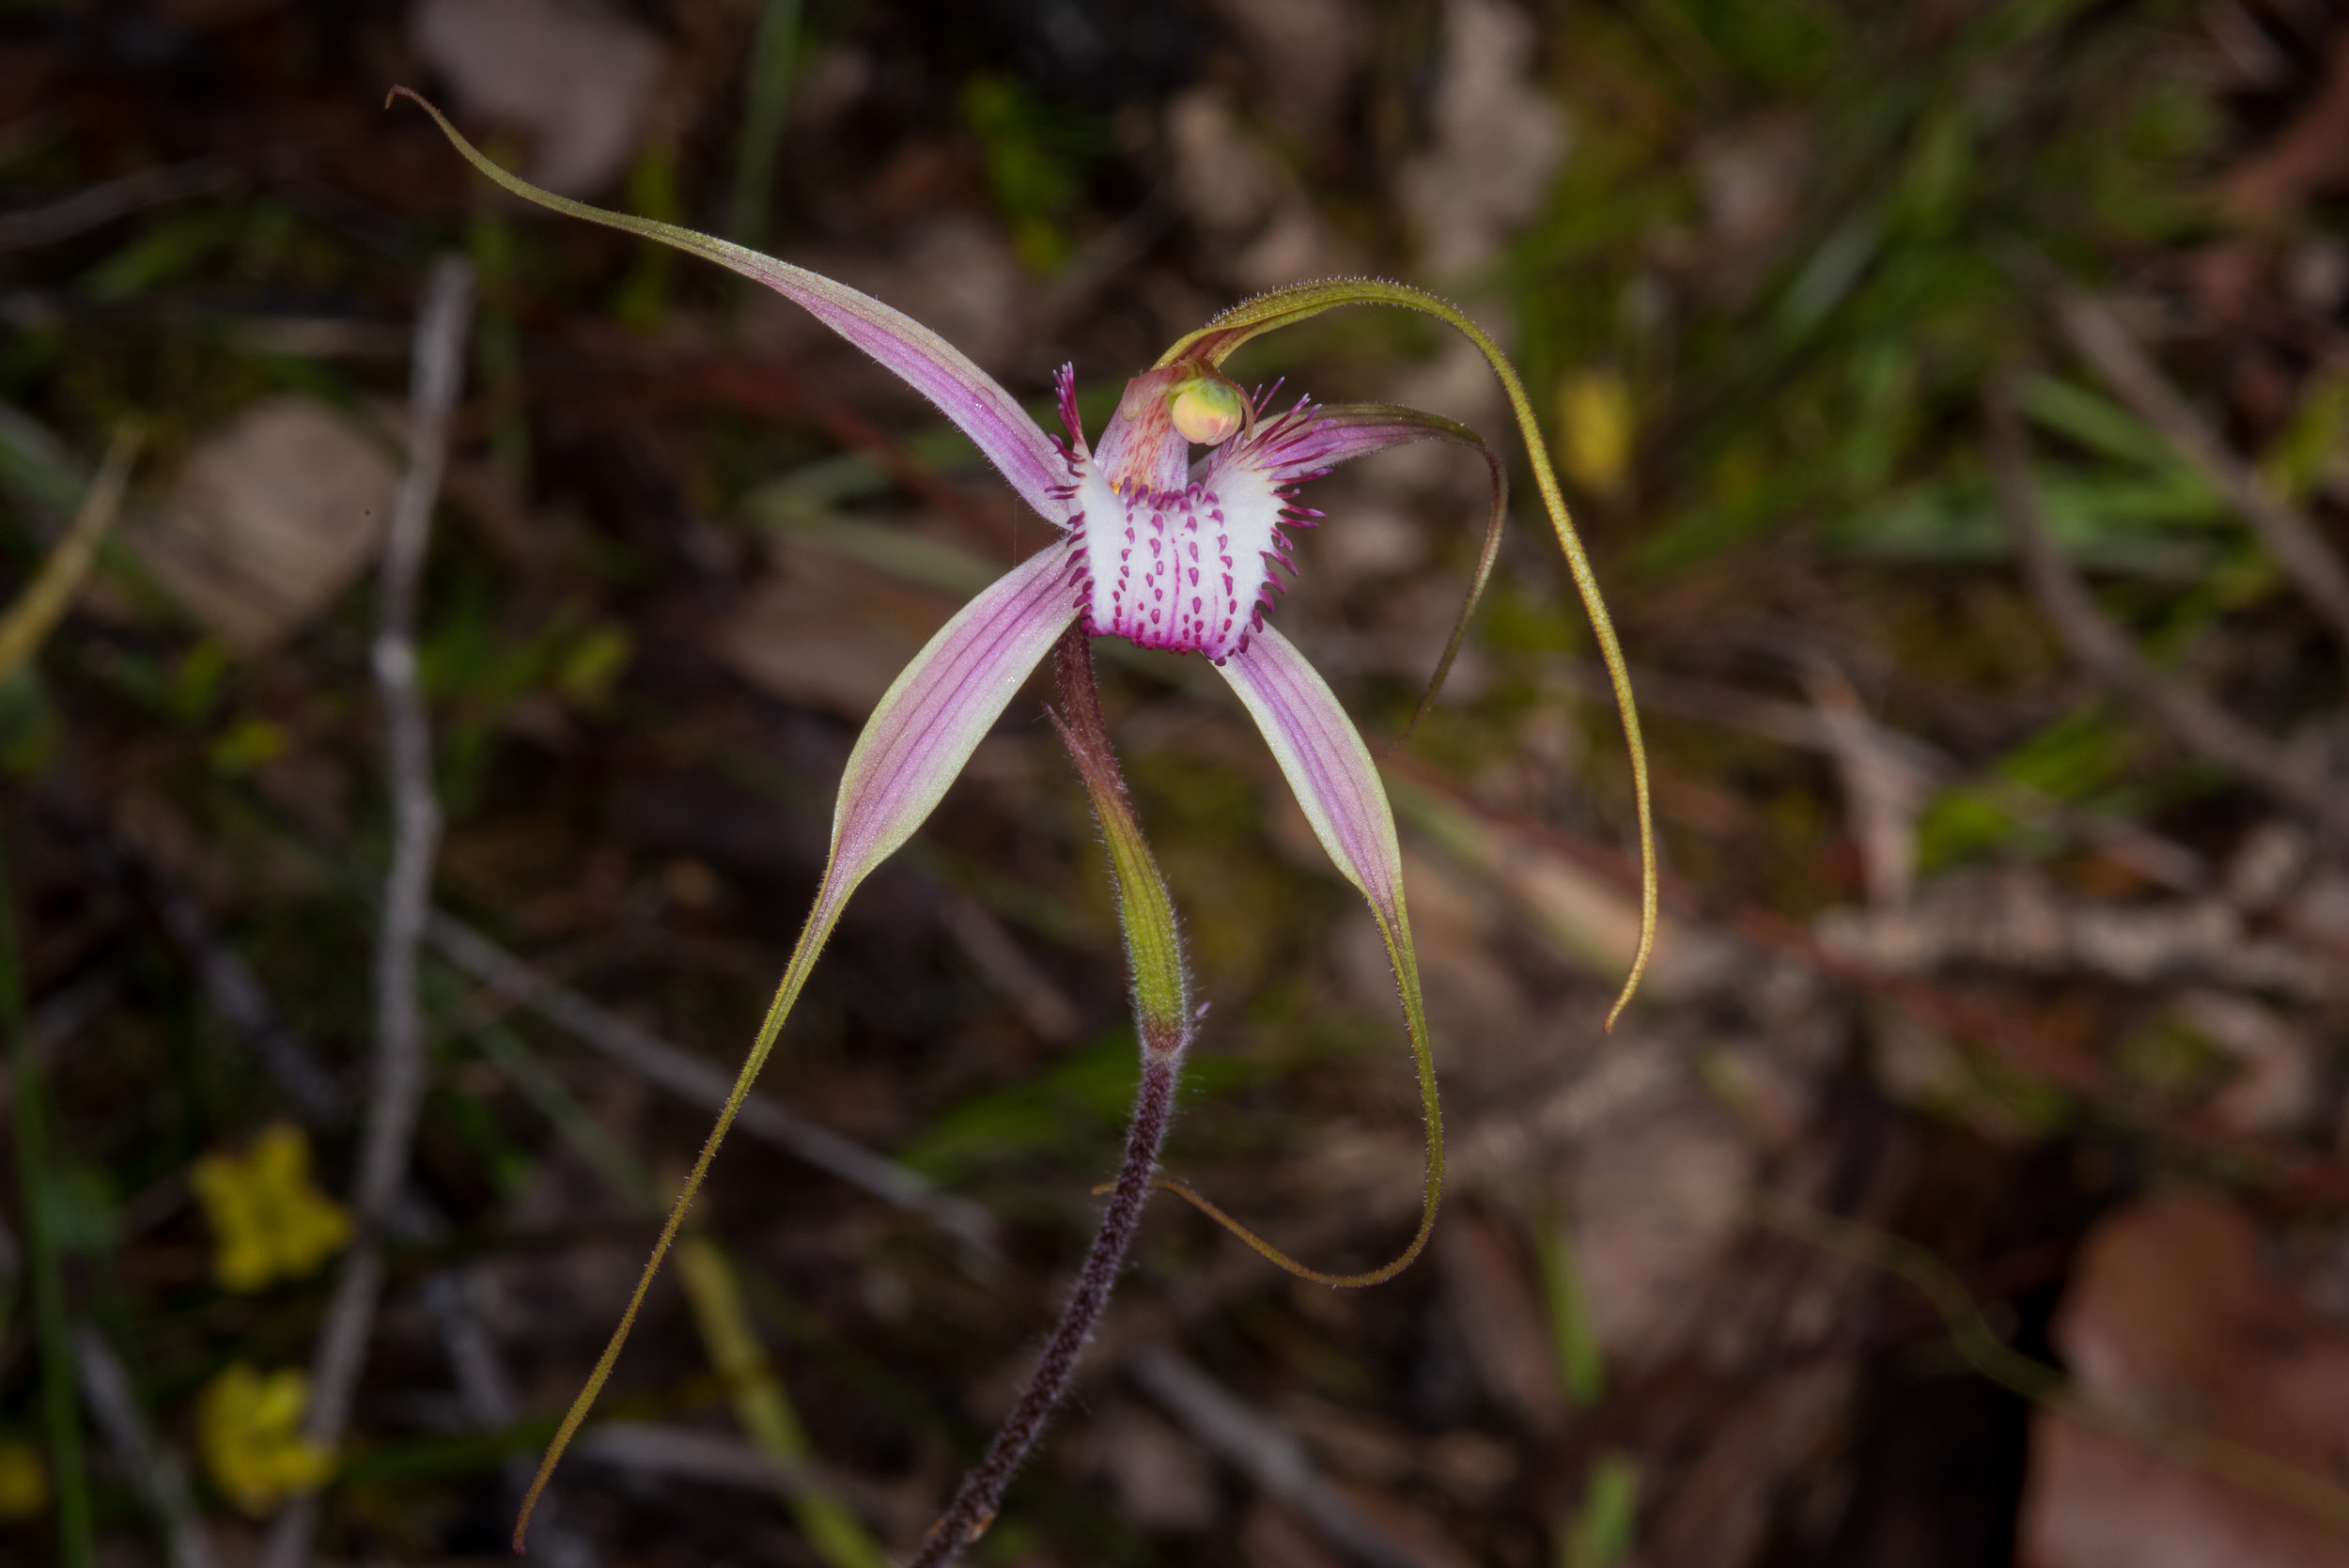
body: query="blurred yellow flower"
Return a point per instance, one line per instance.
(24, 1482)
(270, 1222)
(1595, 429)
(248, 1427)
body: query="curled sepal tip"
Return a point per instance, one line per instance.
(1323, 757)
(1295, 303)
(1352, 429)
(965, 394)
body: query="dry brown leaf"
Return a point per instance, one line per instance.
(1722, 1513)
(2309, 157)
(1361, 1445)
(956, 275)
(1657, 1199)
(822, 631)
(1471, 993)
(1268, 1538)
(2014, 918)
(1491, 1293)
(1421, 1537)
(1163, 1483)
(573, 77)
(2172, 1315)
(1585, 920)
(272, 518)
(1370, 539)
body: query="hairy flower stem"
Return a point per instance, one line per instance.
(1153, 949)
(975, 1506)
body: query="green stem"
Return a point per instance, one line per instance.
(1154, 947)
(1145, 910)
(76, 1547)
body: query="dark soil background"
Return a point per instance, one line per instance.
(1956, 398)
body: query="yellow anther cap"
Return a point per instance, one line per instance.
(1207, 410)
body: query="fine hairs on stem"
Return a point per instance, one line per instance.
(982, 1491)
(1162, 1013)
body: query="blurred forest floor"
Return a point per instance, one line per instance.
(1955, 396)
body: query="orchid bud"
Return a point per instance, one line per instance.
(1207, 410)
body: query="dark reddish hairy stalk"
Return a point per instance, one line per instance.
(1164, 1033)
(975, 1506)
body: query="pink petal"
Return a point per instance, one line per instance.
(1328, 434)
(941, 708)
(934, 367)
(1330, 769)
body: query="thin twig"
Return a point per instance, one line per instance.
(983, 939)
(650, 1447)
(96, 205)
(69, 1010)
(2284, 1173)
(2096, 643)
(2104, 343)
(230, 986)
(486, 1390)
(1884, 791)
(698, 1082)
(1270, 1456)
(152, 1467)
(2126, 843)
(397, 1094)
(231, 990)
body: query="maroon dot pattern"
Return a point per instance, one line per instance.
(1192, 570)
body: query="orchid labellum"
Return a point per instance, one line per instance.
(1171, 531)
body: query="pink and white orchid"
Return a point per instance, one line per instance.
(1170, 532)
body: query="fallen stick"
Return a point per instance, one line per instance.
(702, 1083)
(2102, 340)
(1271, 1456)
(2099, 645)
(152, 1468)
(397, 1094)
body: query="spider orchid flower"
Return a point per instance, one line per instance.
(1171, 532)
